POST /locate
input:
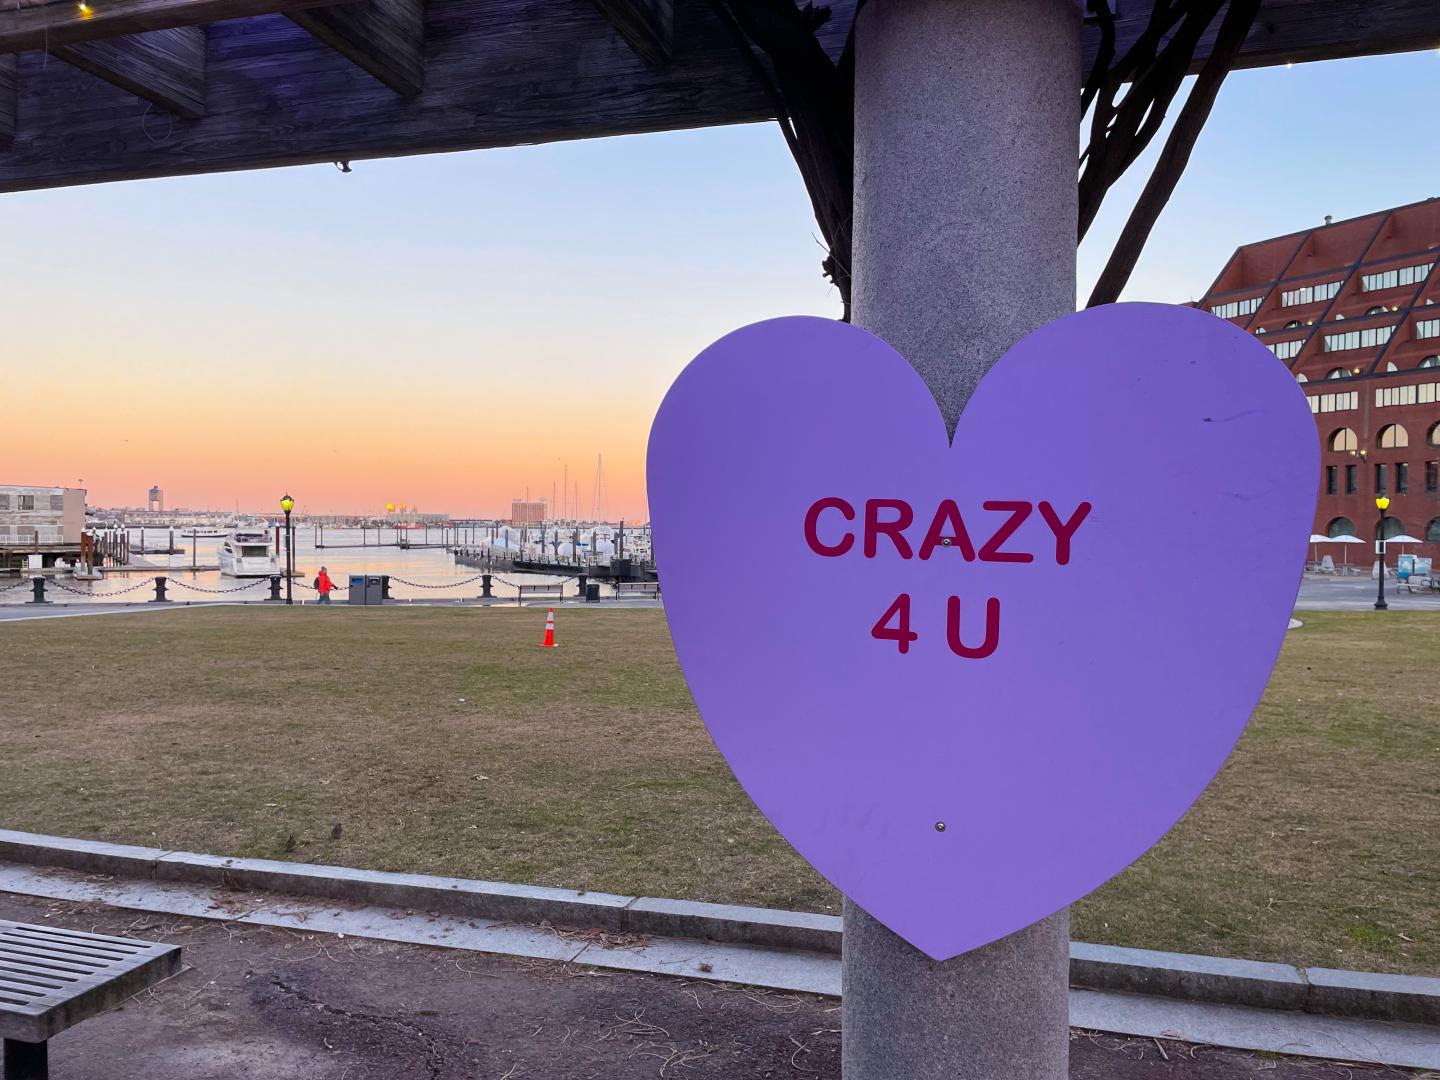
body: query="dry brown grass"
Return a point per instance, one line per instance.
(234, 731)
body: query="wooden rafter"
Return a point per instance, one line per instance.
(164, 67)
(45, 25)
(9, 99)
(384, 37)
(648, 25)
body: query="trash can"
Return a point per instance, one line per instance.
(366, 589)
(592, 592)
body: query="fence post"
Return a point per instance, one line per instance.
(38, 584)
(160, 597)
(274, 589)
(485, 593)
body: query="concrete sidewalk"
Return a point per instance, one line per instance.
(269, 1003)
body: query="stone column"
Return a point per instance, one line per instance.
(967, 117)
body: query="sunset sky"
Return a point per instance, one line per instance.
(447, 331)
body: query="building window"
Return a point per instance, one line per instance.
(1393, 527)
(1432, 531)
(1343, 439)
(1402, 477)
(25, 502)
(1378, 309)
(1308, 294)
(1326, 403)
(1429, 362)
(1332, 477)
(1386, 396)
(1432, 476)
(1390, 279)
(1381, 478)
(1433, 435)
(1247, 306)
(1337, 373)
(1293, 324)
(1286, 350)
(1393, 437)
(1341, 526)
(1362, 339)
(1352, 484)
(4, 500)
(1302, 378)
(1427, 328)
(57, 502)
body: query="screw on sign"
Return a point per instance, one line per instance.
(1025, 681)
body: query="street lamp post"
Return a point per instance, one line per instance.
(1383, 504)
(287, 504)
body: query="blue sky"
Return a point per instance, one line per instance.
(534, 302)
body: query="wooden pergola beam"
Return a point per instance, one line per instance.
(383, 37)
(67, 22)
(165, 67)
(648, 25)
(1298, 31)
(9, 99)
(501, 73)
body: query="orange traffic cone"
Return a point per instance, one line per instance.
(549, 642)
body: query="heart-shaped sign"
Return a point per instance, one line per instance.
(972, 681)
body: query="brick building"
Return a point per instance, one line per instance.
(1353, 307)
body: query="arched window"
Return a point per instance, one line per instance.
(1301, 378)
(1392, 437)
(1292, 324)
(1378, 309)
(1433, 435)
(1393, 527)
(1391, 366)
(1432, 531)
(1429, 361)
(1337, 373)
(1344, 439)
(1341, 526)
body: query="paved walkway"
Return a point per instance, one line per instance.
(1326, 592)
(269, 1003)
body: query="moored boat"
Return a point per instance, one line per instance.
(246, 553)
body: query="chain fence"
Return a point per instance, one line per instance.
(449, 585)
(92, 595)
(202, 589)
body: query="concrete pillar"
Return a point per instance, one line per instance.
(967, 118)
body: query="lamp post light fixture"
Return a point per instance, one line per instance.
(287, 504)
(1382, 504)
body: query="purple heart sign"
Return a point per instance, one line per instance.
(971, 680)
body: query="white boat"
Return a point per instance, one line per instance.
(246, 553)
(204, 532)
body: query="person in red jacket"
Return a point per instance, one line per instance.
(324, 585)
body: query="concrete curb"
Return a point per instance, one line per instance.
(1354, 994)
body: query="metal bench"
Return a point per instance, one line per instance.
(555, 592)
(52, 978)
(638, 590)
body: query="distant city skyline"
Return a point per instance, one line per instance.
(450, 331)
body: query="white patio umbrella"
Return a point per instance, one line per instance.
(1404, 539)
(1344, 539)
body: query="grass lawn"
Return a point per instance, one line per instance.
(444, 741)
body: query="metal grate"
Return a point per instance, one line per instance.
(52, 978)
